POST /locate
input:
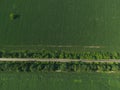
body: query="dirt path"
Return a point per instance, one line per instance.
(56, 60)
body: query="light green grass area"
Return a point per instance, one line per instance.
(60, 81)
(60, 23)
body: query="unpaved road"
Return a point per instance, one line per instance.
(57, 60)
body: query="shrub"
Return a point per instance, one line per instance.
(13, 16)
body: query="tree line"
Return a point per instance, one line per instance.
(59, 54)
(58, 67)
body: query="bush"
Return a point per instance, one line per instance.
(59, 54)
(13, 16)
(55, 66)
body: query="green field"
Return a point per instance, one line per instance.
(60, 81)
(60, 23)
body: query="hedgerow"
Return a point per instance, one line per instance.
(59, 54)
(58, 66)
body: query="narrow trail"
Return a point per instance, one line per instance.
(58, 60)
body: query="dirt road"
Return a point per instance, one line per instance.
(57, 60)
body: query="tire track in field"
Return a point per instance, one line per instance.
(54, 46)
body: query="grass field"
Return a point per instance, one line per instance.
(60, 23)
(60, 81)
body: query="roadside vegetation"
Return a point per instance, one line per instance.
(58, 67)
(59, 54)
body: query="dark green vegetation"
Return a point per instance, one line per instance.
(60, 23)
(58, 54)
(58, 67)
(59, 81)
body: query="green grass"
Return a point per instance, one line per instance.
(60, 81)
(49, 23)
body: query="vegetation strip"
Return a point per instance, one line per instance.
(59, 54)
(58, 66)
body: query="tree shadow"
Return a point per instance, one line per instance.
(16, 16)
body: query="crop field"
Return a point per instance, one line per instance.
(60, 23)
(60, 81)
